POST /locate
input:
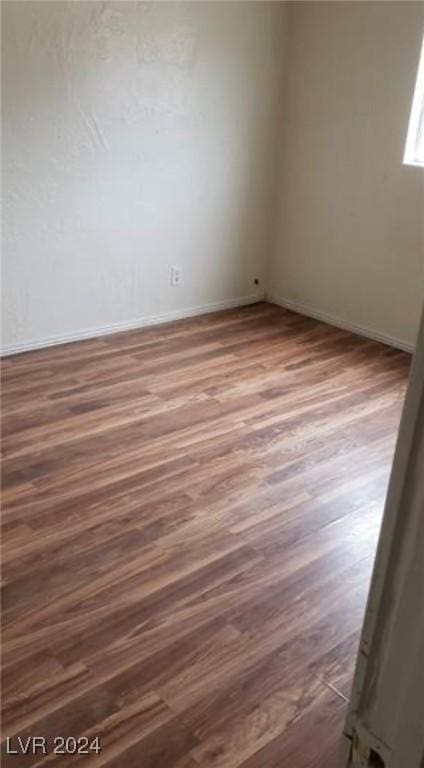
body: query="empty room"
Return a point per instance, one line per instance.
(212, 284)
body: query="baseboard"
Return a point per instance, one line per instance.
(325, 317)
(141, 322)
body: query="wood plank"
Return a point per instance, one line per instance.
(190, 515)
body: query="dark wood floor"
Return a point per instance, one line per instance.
(190, 515)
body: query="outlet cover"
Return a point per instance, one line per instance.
(176, 276)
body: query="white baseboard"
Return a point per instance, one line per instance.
(141, 322)
(325, 317)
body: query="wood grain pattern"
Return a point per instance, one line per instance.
(190, 515)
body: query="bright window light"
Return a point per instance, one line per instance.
(414, 148)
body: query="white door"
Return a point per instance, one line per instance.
(385, 722)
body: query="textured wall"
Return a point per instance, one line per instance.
(135, 136)
(351, 221)
(141, 135)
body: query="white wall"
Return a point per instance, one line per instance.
(135, 136)
(141, 135)
(350, 240)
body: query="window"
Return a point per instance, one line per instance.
(414, 149)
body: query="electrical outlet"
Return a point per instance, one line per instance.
(176, 276)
